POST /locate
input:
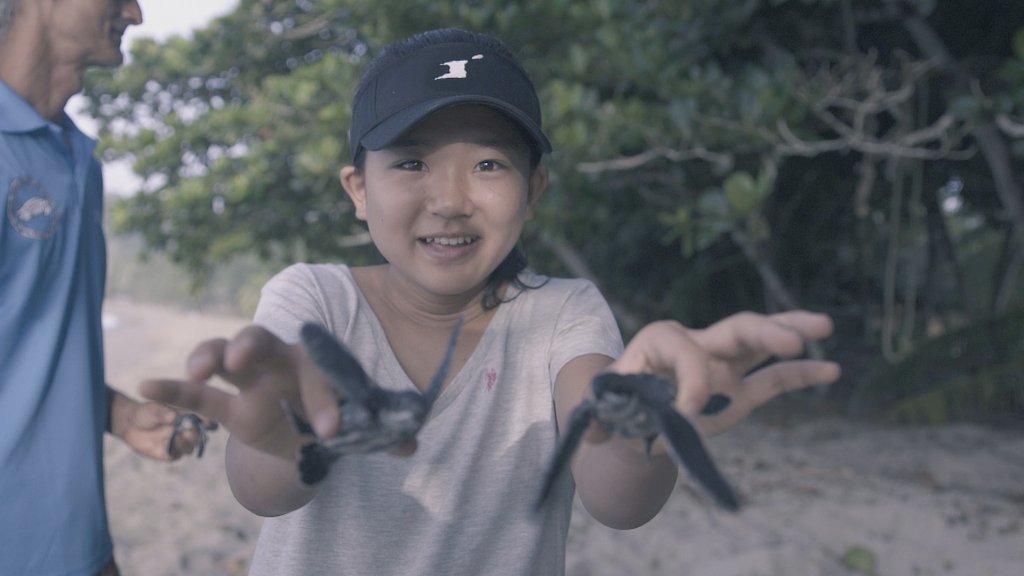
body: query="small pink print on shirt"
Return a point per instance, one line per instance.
(491, 377)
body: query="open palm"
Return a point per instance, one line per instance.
(725, 359)
(265, 373)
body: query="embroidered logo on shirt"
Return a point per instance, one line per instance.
(31, 210)
(491, 378)
(457, 68)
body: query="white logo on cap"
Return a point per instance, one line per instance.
(457, 68)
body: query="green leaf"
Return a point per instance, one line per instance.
(861, 559)
(743, 194)
(1018, 44)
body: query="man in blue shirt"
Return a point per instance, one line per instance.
(54, 403)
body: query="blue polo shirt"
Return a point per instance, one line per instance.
(53, 407)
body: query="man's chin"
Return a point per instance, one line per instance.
(109, 60)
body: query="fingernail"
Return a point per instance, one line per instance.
(325, 424)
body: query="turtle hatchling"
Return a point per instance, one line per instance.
(640, 406)
(187, 421)
(372, 418)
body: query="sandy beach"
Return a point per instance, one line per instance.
(823, 495)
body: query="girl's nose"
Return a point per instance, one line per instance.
(449, 196)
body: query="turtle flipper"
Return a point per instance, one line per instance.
(336, 361)
(686, 447)
(301, 427)
(578, 423)
(716, 404)
(434, 388)
(314, 463)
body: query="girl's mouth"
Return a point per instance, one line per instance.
(449, 241)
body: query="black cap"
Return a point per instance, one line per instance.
(404, 92)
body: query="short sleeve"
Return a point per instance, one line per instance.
(289, 300)
(585, 325)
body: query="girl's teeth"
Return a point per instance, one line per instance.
(449, 241)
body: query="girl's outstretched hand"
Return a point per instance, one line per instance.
(264, 372)
(720, 359)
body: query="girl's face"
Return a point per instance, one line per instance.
(447, 202)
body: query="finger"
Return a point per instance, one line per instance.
(810, 325)
(206, 360)
(764, 385)
(209, 402)
(747, 333)
(747, 339)
(596, 433)
(150, 416)
(251, 346)
(667, 348)
(319, 400)
(781, 377)
(159, 452)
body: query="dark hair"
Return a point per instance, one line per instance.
(515, 262)
(507, 271)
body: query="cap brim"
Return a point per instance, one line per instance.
(388, 130)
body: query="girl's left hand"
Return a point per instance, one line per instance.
(719, 360)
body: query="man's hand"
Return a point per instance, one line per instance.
(148, 428)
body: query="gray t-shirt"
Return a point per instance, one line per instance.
(462, 504)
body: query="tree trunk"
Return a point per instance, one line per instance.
(996, 154)
(773, 284)
(573, 261)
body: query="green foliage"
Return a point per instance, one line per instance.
(861, 560)
(1010, 99)
(704, 150)
(970, 374)
(239, 133)
(744, 194)
(733, 210)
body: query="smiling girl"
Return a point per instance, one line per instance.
(447, 146)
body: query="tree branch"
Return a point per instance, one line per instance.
(307, 30)
(638, 160)
(847, 97)
(992, 146)
(1009, 126)
(577, 266)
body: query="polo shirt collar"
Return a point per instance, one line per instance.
(17, 115)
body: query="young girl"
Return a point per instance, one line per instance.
(447, 142)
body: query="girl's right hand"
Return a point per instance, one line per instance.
(265, 373)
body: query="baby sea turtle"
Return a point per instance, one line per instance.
(640, 406)
(372, 418)
(187, 421)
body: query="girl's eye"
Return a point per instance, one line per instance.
(412, 165)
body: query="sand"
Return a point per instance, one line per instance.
(823, 495)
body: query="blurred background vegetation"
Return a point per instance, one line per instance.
(858, 157)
